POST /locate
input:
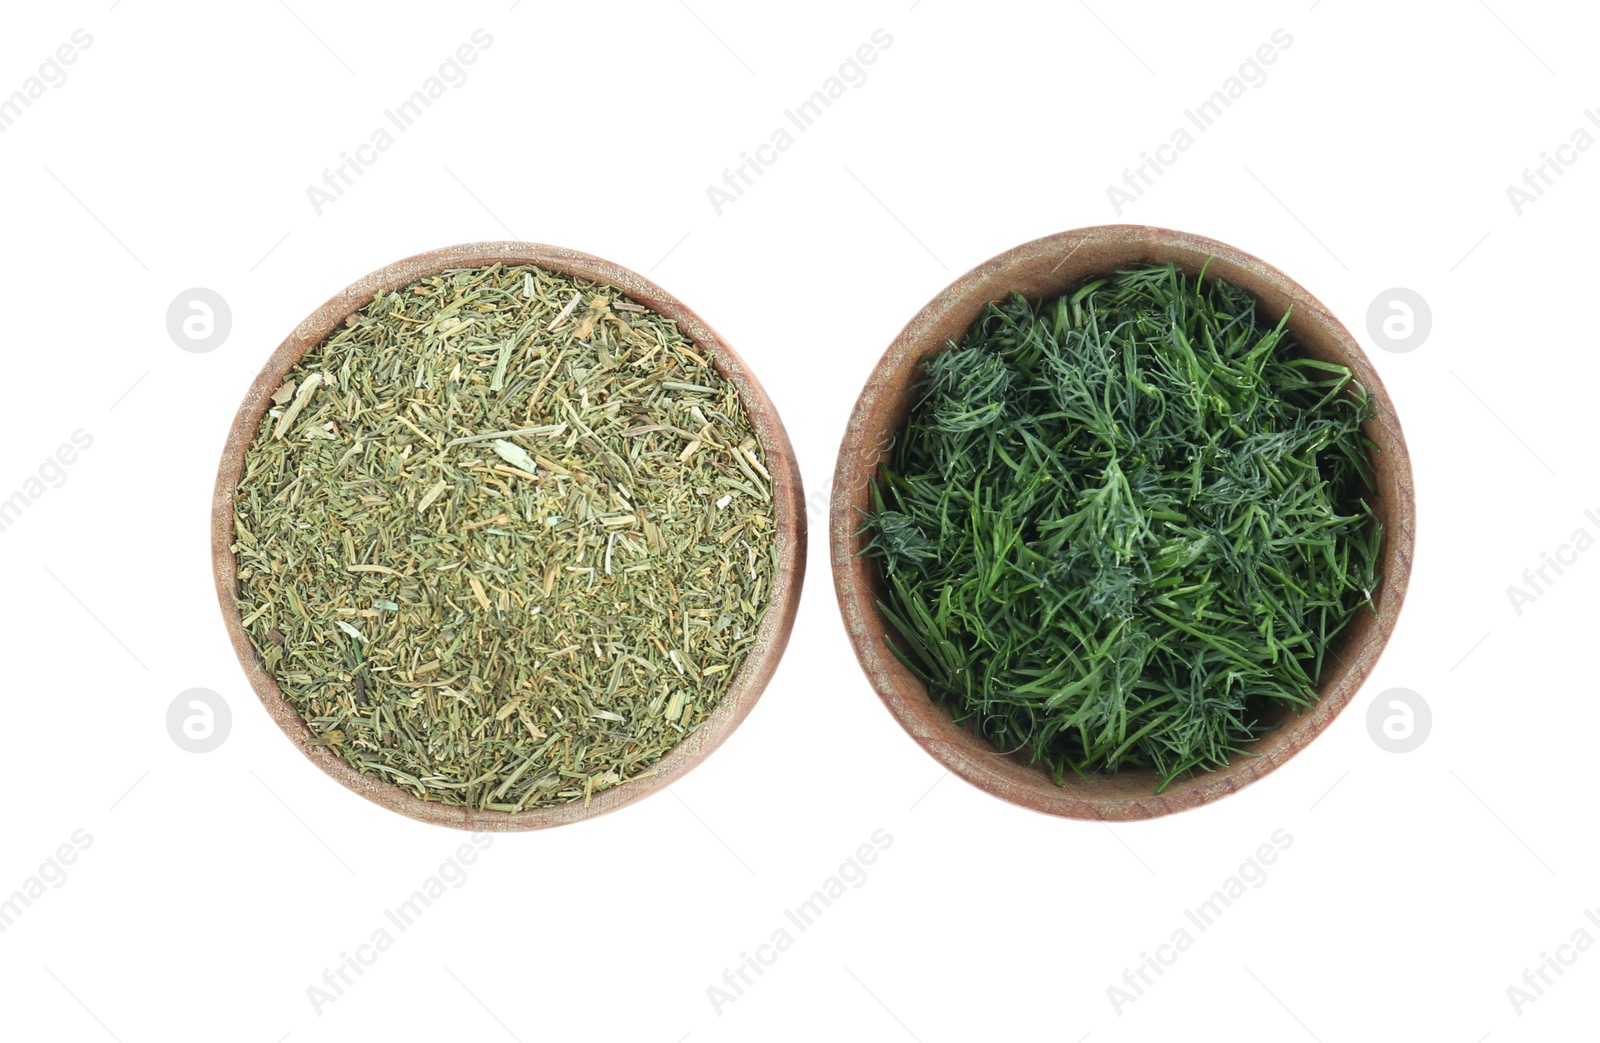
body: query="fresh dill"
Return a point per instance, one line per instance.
(1122, 528)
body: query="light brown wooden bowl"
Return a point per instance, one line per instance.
(1046, 268)
(788, 506)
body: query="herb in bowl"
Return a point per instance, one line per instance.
(1123, 527)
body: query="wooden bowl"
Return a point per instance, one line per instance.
(788, 505)
(1046, 268)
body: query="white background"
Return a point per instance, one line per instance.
(218, 887)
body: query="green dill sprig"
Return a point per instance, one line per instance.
(1124, 525)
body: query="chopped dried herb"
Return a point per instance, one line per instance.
(505, 538)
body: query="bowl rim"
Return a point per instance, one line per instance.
(788, 500)
(880, 410)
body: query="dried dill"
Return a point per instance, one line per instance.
(504, 538)
(1122, 527)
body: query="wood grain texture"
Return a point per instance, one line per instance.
(788, 507)
(1046, 268)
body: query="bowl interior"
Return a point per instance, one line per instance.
(788, 508)
(1047, 268)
